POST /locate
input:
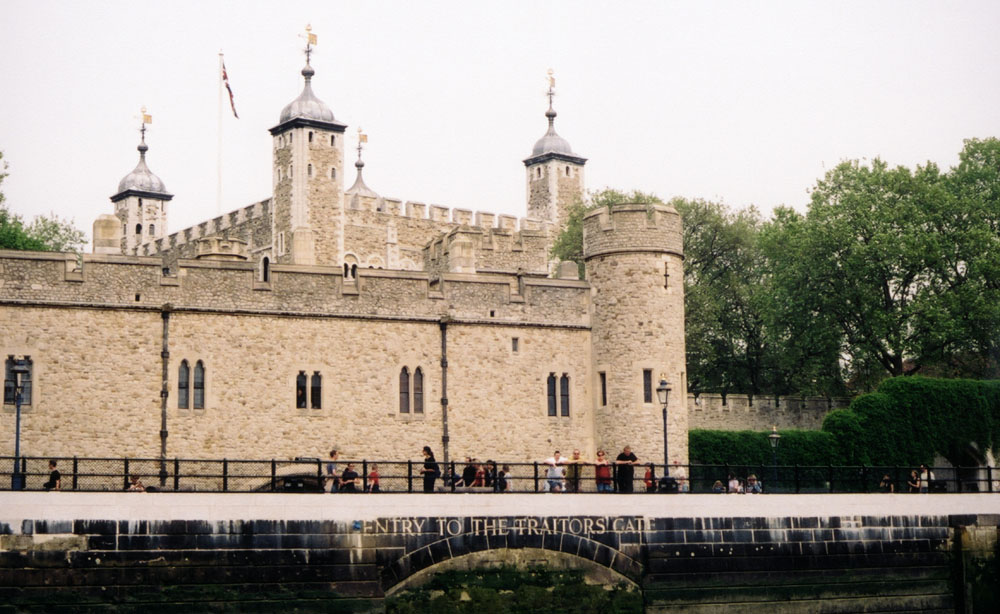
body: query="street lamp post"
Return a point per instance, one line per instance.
(663, 394)
(774, 437)
(19, 369)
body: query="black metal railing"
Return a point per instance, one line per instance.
(86, 474)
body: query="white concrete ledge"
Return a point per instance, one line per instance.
(16, 507)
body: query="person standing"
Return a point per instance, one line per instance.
(55, 478)
(926, 476)
(602, 472)
(430, 469)
(650, 478)
(373, 478)
(573, 471)
(349, 479)
(914, 482)
(332, 479)
(626, 462)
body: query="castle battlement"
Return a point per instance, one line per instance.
(233, 286)
(739, 412)
(632, 228)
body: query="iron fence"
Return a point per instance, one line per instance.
(87, 474)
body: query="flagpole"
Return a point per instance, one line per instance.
(218, 165)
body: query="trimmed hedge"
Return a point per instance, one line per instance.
(904, 423)
(753, 448)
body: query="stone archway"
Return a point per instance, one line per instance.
(600, 563)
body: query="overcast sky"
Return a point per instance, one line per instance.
(741, 102)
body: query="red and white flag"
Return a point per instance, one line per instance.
(225, 79)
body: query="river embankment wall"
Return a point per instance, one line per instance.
(196, 552)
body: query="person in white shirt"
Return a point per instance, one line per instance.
(556, 473)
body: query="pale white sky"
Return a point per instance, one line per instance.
(743, 102)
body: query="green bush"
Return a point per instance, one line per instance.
(904, 423)
(754, 448)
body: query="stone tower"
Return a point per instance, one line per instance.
(554, 173)
(308, 201)
(140, 205)
(634, 256)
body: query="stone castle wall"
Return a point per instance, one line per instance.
(95, 337)
(741, 412)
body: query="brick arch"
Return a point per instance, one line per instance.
(599, 561)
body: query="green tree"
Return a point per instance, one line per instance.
(43, 234)
(568, 246)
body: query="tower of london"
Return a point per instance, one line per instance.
(332, 316)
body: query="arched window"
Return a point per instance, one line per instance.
(300, 390)
(290, 135)
(333, 173)
(567, 171)
(310, 136)
(152, 230)
(404, 391)
(552, 394)
(183, 385)
(564, 394)
(333, 140)
(265, 269)
(309, 169)
(354, 271)
(199, 385)
(316, 392)
(138, 230)
(418, 391)
(347, 271)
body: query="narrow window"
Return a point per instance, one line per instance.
(309, 170)
(418, 391)
(514, 342)
(140, 202)
(567, 171)
(290, 135)
(183, 385)
(300, 390)
(291, 170)
(265, 269)
(604, 388)
(354, 271)
(552, 394)
(316, 394)
(647, 385)
(564, 394)
(152, 230)
(333, 173)
(310, 136)
(333, 140)
(347, 271)
(199, 385)
(404, 391)
(138, 230)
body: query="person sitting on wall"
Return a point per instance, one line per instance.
(886, 484)
(373, 478)
(718, 488)
(349, 479)
(735, 486)
(753, 486)
(55, 478)
(469, 473)
(554, 475)
(136, 485)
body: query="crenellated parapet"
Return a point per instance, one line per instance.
(739, 412)
(471, 249)
(226, 283)
(636, 228)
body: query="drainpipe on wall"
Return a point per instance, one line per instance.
(444, 385)
(164, 391)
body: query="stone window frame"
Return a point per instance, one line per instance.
(647, 386)
(411, 397)
(316, 390)
(602, 382)
(184, 385)
(564, 395)
(198, 385)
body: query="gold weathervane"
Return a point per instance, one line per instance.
(362, 138)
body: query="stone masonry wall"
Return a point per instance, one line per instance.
(743, 413)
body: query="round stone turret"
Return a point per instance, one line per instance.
(634, 258)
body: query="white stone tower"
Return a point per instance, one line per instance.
(140, 204)
(634, 255)
(308, 201)
(554, 173)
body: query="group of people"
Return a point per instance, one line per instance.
(563, 474)
(735, 485)
(349, 480)
(918, 481)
